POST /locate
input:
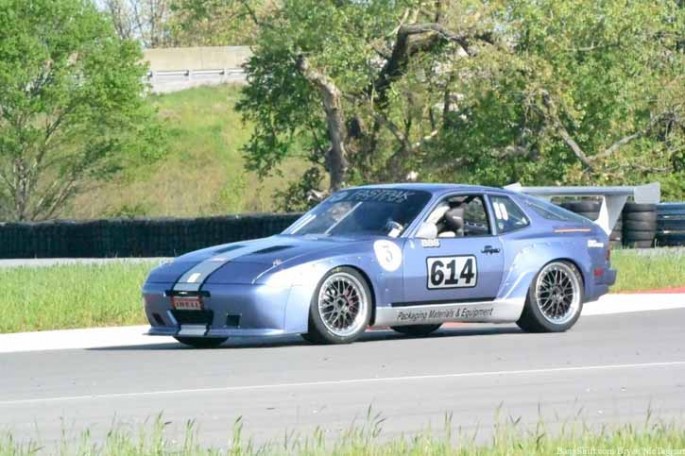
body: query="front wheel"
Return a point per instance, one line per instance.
(340, 308)
(416, 330)
(555, 299)
(201, 342)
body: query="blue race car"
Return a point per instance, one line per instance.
(407, 256)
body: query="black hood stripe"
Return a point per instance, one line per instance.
(275, 248)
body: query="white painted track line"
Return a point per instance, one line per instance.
(289, 386)
(135, 335)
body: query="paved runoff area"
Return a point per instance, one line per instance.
(623, 360)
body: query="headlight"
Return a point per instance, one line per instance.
(297, 275)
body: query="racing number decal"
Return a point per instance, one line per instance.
(452, 272)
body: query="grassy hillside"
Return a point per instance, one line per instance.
(203, 172)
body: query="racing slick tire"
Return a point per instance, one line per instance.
(340, 309)
(631, 236)
(639, 217)
(581, 206)
(639, 225)
(638, 207)
(416, 330)
(201, 342)
(555, 299)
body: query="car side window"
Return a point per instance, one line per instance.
(508, 216)
(461, 216)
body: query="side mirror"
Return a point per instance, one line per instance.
(427, 231)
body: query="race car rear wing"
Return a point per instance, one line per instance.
(612, 198)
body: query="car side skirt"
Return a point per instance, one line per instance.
(497, 311)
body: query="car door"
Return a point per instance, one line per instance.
(466, 267)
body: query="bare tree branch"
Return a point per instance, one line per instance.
(404, 47)
(563, 132)
(626, 139)
(439, 11)
(394, 129)
(251, 12)
(589, 161)
(120, 17)
(336, 159)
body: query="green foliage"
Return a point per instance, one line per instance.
(614, 74)
(339, 39)
(544, 92)
(216, 22)
(299, 197)
(71, 105)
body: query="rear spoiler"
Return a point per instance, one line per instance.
(612, 198)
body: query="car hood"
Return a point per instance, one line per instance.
(243, 262)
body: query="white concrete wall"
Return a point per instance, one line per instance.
(174, 69)
(197, 58)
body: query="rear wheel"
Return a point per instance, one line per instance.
(201, 342)
(340, 309)
(416, 330)
(555, 299)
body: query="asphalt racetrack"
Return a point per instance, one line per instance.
(609, 369)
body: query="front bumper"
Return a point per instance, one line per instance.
(228, 310)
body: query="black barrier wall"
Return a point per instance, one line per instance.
(133, 237)
(172, 237)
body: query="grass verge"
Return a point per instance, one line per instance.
(72, 296)
(77, 296)
(640, 270)
(657, 439)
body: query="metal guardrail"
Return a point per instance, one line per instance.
(172, 81)
(188, 74)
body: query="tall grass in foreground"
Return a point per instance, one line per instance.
(650, 439)
(72, 296)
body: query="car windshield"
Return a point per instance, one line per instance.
(372, 211)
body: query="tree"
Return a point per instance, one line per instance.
(591, 92)
(72, 108)
(489, 92)
(355, 84)
(218, 22)
(168, 23)
(144, 20)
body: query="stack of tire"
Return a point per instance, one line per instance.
(639, 225)
(590, 210)
(670, 224)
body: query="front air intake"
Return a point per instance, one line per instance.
(233, 321)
